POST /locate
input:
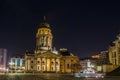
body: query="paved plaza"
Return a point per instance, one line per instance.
(48, 76)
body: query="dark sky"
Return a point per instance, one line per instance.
(84, 27)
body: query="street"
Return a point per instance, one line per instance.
(49, 76)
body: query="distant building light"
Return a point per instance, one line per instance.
(11, 63)
(63, 49)
(96, 56)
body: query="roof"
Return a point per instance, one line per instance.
(18, 55)
(27, 52)
(65, 53)
(44, 25)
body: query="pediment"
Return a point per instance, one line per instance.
(48, 54)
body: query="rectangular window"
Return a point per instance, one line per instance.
(68, 66)
(31, 61)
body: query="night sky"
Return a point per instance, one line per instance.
(84, 28)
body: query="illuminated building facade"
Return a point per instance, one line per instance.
(16, 63)
(43, 38)
(68, 62)
(3, 55)
(104, 57)
(46, 59)
(114, 52)
(102, 61)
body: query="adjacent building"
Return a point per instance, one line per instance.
(110, 59)
(16, 63)
(114, 52)
(68, 62)
(104, 57)
(46, 59)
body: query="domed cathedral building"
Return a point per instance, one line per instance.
(46, 59)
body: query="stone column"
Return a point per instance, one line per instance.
(40, 64)
(35, 64)
(50, 64)
(58, 65)
(47, 41)
(64, 67)
(46, 64)
(55, 64)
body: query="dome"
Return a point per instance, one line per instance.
(44, 25)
